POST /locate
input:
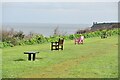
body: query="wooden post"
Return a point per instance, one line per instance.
(33, 57)
(29, 56)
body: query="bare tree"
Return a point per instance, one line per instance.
(56, 31)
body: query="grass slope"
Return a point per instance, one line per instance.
(97, 58)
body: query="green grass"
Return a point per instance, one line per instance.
(96, 58)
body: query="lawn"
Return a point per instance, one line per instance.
(96, 58)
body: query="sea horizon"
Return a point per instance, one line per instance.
(46, 29)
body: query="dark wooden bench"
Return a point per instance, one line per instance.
(30, 53)
(57, 45)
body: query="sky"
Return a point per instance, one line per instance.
(59, 0)
(59, 12)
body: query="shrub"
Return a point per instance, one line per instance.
(7, 44)
(12, 38)
(71, 37)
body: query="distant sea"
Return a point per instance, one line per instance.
(45, 29)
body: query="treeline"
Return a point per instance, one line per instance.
(99, 26)
(12, 38)
(97, 33)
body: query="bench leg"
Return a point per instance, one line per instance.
(51, 47)
(58, 47)
(61, 47)
(33, 57)
(29, 56)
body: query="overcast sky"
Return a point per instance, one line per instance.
(59, 12)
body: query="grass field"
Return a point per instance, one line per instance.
(96, 58)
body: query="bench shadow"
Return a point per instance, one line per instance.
(20, 60)
(38, 58)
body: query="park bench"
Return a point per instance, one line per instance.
(57, 45)
(30, 53)
(79, 40)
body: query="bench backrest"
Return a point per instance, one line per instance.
(61, 41)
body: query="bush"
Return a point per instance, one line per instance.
(71, 37)
(11, 38)
(21, 43)
(1, 45)
(7, 44)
